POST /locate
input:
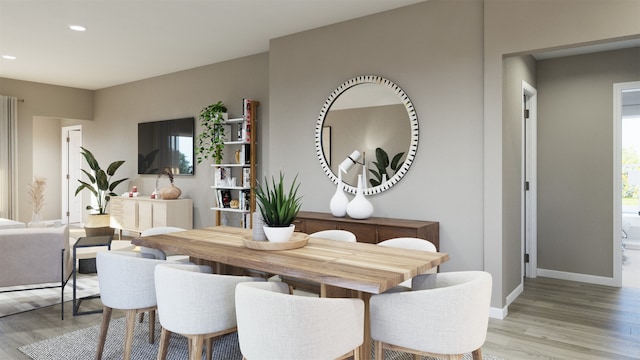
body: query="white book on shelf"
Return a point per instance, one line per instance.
(222, 176)
(246, 177)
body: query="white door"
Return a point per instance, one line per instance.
(529, 170)
(71, 165)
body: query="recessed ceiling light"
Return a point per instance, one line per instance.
(77, 28)
(8, 57)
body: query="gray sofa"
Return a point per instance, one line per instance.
(11, 224)
(38, 257)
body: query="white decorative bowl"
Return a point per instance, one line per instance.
(279, 234)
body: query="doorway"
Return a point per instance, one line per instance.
(529, 193)
(71, 212)
(626, 100)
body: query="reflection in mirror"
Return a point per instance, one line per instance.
(364, 114)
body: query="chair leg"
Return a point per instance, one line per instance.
(356, 353)
(208, 343)
(152, 326)
(106, 318)
(477, 354)
(195, 345)
(379, 350)
(128, 336)
(165, 336)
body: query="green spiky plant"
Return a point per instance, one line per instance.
(278, 207)
(100, 184)
(381, 163)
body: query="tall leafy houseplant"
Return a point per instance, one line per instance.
(99, 184)
(279, 207)
(210, 142)
(381, 163)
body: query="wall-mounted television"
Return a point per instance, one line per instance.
(166, 143)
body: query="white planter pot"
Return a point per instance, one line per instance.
(278, 234)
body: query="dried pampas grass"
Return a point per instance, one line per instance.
(36, 193)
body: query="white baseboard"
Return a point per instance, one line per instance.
(500, 314)
(497, 313)
(589, 279)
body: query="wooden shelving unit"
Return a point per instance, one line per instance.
(242, 141)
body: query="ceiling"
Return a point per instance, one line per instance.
(132, 40)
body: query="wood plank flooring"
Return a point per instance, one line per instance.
(552, 319)
(557, 319)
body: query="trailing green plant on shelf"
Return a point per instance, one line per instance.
(278, 207)
(100, 184)
(381, 163)
(210, 142)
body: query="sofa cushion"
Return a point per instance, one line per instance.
(10, 224)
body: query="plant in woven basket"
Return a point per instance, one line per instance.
(279, 207)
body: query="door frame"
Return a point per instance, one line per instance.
(529, 205)
(66, 191)
(618, 88)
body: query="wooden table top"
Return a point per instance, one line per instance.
(357, 266)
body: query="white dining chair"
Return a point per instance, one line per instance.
(313, 287)
(273, 324)
(411, 243)
(197, 306)
(335, 234)
(126, 282)
(152, 253)
(444, 315)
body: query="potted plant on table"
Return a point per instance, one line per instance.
(278, 207)
(210, 142)
(101, 186)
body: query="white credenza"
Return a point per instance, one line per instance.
(137, 214)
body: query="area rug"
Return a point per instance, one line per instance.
(15, 302)
(81, 344)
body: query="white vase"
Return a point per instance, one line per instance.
(359, 207)
(278, 234)
(36, 221)
(258, 227)
(339, 201)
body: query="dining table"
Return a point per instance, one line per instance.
(343, 269)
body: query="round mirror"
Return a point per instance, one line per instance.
(367, 126)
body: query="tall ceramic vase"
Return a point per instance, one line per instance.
(360, 207)
(339, 201)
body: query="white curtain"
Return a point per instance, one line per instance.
(8, 157)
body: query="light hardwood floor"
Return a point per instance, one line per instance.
(552, 319)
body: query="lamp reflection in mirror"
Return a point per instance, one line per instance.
(349, 161)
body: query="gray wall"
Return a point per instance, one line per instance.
(119, 109)
(520, 28)
(575, 159)
(46, 105)
(433, 51)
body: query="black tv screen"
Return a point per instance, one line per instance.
(166, 143)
